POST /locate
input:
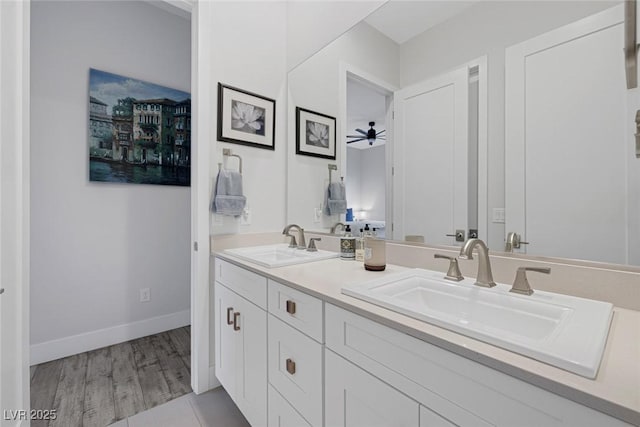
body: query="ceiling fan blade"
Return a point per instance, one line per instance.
(361, 131)
(356, 140)
(383, 138)
(383, 130)
(354, 136)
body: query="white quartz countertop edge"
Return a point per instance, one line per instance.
(615, 391)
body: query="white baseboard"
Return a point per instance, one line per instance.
(63, 347)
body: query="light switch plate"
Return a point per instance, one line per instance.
(498, 216)
(317, 215)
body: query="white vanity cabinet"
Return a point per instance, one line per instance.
(452, 390)
(290, 359)
(241, 339)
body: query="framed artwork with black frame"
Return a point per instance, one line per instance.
(315, 134)
(246, 118)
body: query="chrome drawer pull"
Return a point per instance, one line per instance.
(291, 307)
(291, 366)
(229, 311)
(236, 327)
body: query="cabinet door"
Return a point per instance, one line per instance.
(251, 369)
(428, 418)
(225, 350)
(355, 398)
(282, 414)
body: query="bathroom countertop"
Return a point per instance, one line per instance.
(615, 391)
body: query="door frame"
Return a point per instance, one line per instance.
(346, 71)
(14, 206)
(202, 372)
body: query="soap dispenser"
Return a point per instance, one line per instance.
(360, 247)
(347, 245)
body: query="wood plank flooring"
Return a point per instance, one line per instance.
(102, 386)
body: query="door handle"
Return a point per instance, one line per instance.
(229, 311)
(459, 235)
(236, 327)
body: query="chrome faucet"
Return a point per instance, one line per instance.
(484, 277)
(335, 227)
(303, 243)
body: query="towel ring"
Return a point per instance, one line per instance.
(332, 168)
(227, 153)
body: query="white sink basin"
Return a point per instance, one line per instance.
(563, 331)
(279, 255)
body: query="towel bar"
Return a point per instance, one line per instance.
(227, 152)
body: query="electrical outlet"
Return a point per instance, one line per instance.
(245, 218)
(317, 215)
(145, 295)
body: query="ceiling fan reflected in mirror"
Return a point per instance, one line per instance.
(371, 135)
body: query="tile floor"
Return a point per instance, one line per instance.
(211, 409)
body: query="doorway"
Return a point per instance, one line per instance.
(367, 160)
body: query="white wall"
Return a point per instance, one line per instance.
(366, 181)
(248, 51)
(252, 59)
(94, 245)
(487, 29)
(373, 182)
(314, 85)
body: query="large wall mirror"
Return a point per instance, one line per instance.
(496, 118)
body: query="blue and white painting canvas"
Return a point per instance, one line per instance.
(139, 132)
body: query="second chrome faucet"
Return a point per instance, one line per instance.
(484, 277)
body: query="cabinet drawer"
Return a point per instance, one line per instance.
(250, 285)
(295, 369)
(462, 391)
(296, 308)
(282, 414)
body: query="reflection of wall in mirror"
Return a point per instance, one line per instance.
(488, 28)
(314, 85)
(366, 182)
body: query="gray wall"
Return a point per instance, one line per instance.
(94, 245)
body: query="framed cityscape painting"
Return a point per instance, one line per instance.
(139, 132)
(246, 118)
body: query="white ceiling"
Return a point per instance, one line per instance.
(402, 20)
